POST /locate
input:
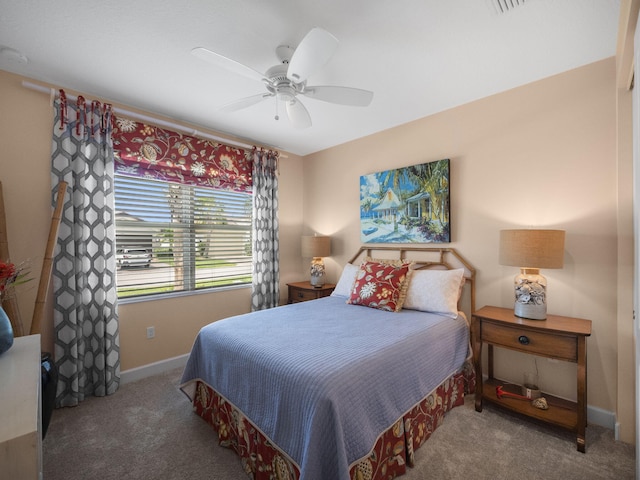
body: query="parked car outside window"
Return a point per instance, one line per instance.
(133, 257)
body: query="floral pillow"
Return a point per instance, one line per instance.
(381, 286)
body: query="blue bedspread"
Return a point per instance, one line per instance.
(323, 379)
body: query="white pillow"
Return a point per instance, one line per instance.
(347, 279)
(435, 291)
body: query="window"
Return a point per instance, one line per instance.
(178, 238)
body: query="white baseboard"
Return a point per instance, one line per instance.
(138, 373)
(604, 418)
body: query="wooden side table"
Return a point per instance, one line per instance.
(558, 337)
(303, 291)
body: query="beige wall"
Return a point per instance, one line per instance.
(542, 155)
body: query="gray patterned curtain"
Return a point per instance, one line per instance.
(266, 248)
(87, 350)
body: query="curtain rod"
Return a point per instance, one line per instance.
(144, 118)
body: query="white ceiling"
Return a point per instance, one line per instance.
(419, 57)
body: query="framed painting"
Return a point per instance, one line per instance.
(406, 205)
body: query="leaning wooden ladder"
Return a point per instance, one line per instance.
(10, 304)
(47, 262)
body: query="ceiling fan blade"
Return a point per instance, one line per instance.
(244, 102)
(226, 63)
(315, 49)
(298, 114)
(341, 95)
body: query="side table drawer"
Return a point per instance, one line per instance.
(564, 347)
(304, 291)
(298, 295)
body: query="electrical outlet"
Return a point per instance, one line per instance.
(151, 332)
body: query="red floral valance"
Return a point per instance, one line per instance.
(152, 152)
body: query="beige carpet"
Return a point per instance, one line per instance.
(147, 430)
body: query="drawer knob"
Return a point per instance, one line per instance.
(523, 339)
(300, 294)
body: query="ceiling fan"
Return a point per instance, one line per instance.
(288, 79)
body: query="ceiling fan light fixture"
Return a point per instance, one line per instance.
(286, 93)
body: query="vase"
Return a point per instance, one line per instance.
(317, 272)
(6, 332)
(531, 294)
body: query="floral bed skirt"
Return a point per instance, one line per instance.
(394, 450)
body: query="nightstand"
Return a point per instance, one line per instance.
(303, 291)
(562, 338)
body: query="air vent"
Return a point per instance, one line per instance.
(505, 6)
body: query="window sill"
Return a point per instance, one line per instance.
(167, 296)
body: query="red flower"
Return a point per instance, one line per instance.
(10, 274)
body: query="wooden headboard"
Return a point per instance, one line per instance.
(428, 257)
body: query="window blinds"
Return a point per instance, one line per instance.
(175, 238)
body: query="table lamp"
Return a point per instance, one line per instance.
(531, 250)
(316, 247)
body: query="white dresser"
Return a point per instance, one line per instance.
(20, 410)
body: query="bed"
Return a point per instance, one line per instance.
(347, 386)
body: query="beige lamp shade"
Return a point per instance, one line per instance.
(532, 248)
(316, 246)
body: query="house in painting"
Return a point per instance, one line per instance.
(389, 207)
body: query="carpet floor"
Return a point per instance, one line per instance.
(147, 430)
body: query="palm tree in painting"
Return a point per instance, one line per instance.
(433, 178)
(367, 206)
